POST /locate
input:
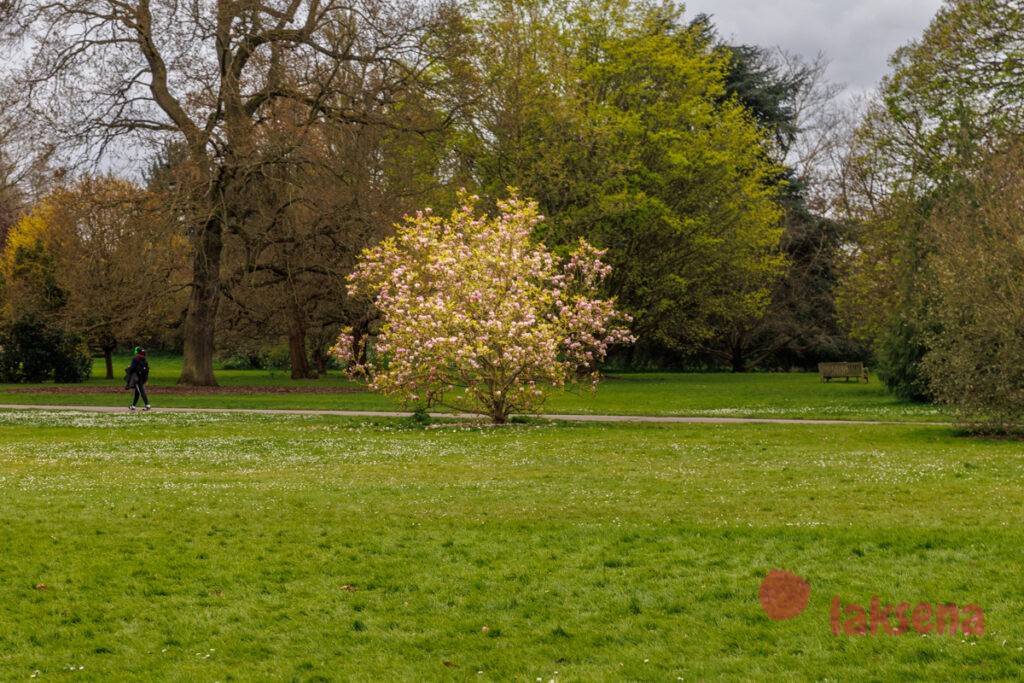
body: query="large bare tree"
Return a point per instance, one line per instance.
(25, 173)
(111, 75)
(322, 194)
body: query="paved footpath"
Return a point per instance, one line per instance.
(464, 416)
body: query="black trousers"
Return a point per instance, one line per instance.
(140, 390)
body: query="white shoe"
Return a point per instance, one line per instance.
(131, 407)
(147, 407)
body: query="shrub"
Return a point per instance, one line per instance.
(477, 317)
(32, 352)
(243, 362)
(975, 360)
(72, 361)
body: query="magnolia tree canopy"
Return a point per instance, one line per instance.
(477, 317)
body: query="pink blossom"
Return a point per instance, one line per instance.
(470, 302)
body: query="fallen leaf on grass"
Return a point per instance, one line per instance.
(350, 589)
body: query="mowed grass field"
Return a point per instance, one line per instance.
(242, 547)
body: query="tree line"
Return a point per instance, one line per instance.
(934, 179)
(750, 218)
(284, 138)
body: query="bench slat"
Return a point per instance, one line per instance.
(846, 370)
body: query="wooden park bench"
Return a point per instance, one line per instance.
(830, 371)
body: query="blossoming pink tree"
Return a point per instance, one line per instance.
(477, 317)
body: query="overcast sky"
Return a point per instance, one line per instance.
(855, 36)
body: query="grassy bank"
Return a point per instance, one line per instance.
(239, 547)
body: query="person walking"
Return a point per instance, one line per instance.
(138, 375)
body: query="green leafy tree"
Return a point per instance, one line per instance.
(955, 96)
(791, 100)
(615, 117)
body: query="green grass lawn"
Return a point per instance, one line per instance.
(776, 395)
(227, 547)
(766, 395)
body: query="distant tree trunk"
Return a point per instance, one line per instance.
(197, 365)
(320, 360)
(360, 342)
(738, 361)
(109, 346)
(297, 347)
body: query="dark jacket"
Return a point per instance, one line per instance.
(137, 373)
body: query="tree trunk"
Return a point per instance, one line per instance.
(320, 361)
(108, 358)
(738, 359)
(197, 365)
(297, 347)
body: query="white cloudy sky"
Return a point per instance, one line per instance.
(855, 36)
